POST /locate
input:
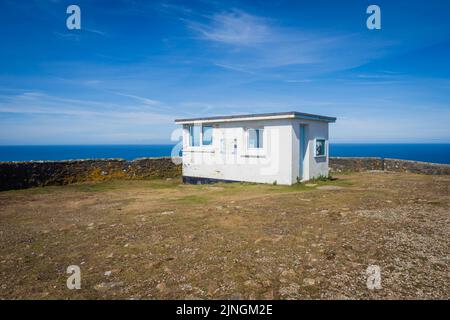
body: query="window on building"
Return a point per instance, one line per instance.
(194, 135)
(255, 138)
(320, 147)
(207, 135)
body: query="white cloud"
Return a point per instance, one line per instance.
(249, 43)
(146, 101)
(235, 27)
(38, 103)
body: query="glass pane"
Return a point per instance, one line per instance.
(320, 147)
(260, 138)
(207, 135)
(194, 135)
(252, 138)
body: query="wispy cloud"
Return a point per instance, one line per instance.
(224, 66)
(248, 43)
(40, 118)
(146, 101)
(235, 28)
(33, 102)
(99, 32)
(202, 58)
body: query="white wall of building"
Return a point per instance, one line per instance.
(313, 166)
(278, 160)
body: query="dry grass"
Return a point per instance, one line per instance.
(161, 239)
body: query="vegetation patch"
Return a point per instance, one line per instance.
(160, 239)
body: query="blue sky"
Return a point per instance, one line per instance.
(135, 66)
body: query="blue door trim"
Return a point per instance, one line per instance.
(302, 140)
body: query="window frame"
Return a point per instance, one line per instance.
(191, 136)
(316, 140)
(203, 135)
(259, 138)
(190, 129)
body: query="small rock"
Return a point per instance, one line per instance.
(236, 296)
(186, 287)
(251, 284)
(288, 273)
(107, 273)
(267, 283)
(107, 285)
(290, 291)
(161, 286)
(309, 282)
(268, 295)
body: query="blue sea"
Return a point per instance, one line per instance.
(437, 153)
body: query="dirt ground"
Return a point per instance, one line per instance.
(161, 239)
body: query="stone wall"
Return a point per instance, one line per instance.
(416, 166)
(338, 164)
(20, 175)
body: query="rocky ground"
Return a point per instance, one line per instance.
(160, 239)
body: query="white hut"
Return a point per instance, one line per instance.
(283, 148)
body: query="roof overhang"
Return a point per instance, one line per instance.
(255, 117)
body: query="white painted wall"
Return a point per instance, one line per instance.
(277, 161)
(313, 166)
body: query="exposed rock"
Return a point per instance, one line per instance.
(251, 284)
(289, 292)
(309, 282)
(236, 296)
(107, 285)
(161, 286)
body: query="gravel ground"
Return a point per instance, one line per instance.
(160, 239)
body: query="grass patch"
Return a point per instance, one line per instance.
(94, 187)
(250, 187)
(159, 184)
(192, 200)
(99, 186)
